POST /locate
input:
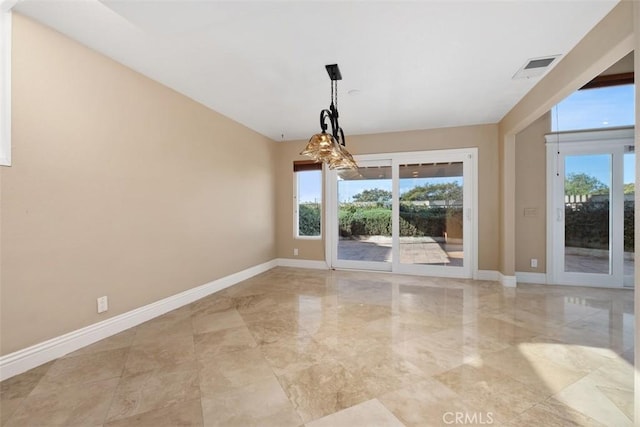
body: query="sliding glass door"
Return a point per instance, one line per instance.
(405, 212)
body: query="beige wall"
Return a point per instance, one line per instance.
(484, 137)
(530, 194)
(119, 187)
(609, 41)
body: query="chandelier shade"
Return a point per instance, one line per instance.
(330, 148)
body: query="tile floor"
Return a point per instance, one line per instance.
(294, 347)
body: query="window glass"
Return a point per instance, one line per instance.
(308, 198)
(598, 108)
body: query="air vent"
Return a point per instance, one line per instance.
(535, 67)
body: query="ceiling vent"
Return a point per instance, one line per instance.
(535, 67)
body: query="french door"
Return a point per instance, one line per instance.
(405, 212)
(590, 218)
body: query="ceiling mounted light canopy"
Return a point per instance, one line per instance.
(325, 147)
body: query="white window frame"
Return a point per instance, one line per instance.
(296, 217)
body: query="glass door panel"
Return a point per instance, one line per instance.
(587, 214)
(364, 198)
(431, 214)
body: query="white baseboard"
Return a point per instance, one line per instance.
(528, 277)
(492, 275)
(496, 276)
(22, 360)
(508, 281)
(302, 263)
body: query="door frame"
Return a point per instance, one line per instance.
(599, 141)
(469, 157)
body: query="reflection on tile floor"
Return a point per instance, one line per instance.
(294, 347)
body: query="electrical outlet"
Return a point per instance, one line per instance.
(534, 263)
(103, 304)
(295, 251)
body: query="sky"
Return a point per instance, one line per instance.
(596, 109)
(585, 109)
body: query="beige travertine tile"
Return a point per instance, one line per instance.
(183, 413)
(370, 413)
(227, 340)
(82, 369)
(426, 403)
(228, 371)
(152, 390)
(621, 398)
(293, 354)
(168, 325)
(532, 369)
(260, 404)
(381, 370)
(205, 321)
(271, 330)
(502, 331)
(121, 340)
(588, 397)
(21, 385)
(430, 358)
(165, 351)
(466, 340)
(345, 340)
(213, 303)
(83, 404)
(8, 407)
(490, 390)
(323, 389)
(552, 413)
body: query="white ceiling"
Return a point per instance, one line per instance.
(414, 65)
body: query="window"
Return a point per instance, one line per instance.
(598, 108)
(307, 199)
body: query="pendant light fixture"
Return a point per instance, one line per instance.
(325, 147)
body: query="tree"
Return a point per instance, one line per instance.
(449, 192)
(578, 184)
(629, 188)
(373, 195)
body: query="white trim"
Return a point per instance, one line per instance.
(528, 277)
(508, 281)
(5, 84)
(302, 263)
(625, 133)
(491, 275)
(30, 357)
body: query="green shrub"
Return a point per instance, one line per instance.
(309, 219)
(587, 225)
(358, 220)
